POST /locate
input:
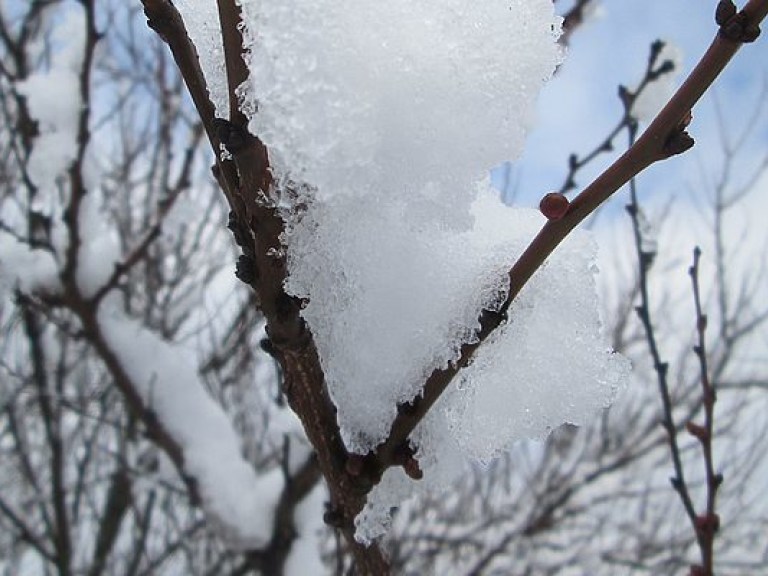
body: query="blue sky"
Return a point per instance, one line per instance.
(579, 106)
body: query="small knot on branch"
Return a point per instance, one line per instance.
(245, 270)
(405, 456)
(233, 137)
(240, 233)
(333, 516)
(707, 523)
(697, 431)
(678, 142)
(725, 10)
(364, 469)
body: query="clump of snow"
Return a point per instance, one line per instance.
(391, 299)
(56, 111)
(548, 365)
(99, 249)
(25, 268)
(201, 18)
(305, 556)
(370, 97)
(241, 503)
(653, 98)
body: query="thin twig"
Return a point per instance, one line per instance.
(706, 525)
(653, 71)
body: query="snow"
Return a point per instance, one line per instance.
(237, 500)
(386, 313)
(26, 269)
(56, 110)
(547, 366)
(201, 18)
(100, 248)
(366, 98)
(304, 557)
(53, 99)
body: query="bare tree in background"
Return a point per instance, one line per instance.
(87, 469)
(93, 482)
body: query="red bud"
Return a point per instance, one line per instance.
(554, 206)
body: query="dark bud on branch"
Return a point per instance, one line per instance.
(666, 67)
(554, 206)
(266, 345)
(245, 269)
(238, 232)
(656, 47)
(751, 33)
(736, 27)
(405, 456)
(725, 10)
(412, 469)
(707, 523)
(698, 351)
(647, 258)
(333, 517)
(678, 142)
(234, 138)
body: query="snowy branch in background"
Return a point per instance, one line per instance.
(72, 261)
(237, 499)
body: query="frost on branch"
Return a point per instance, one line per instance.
(392, 113)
